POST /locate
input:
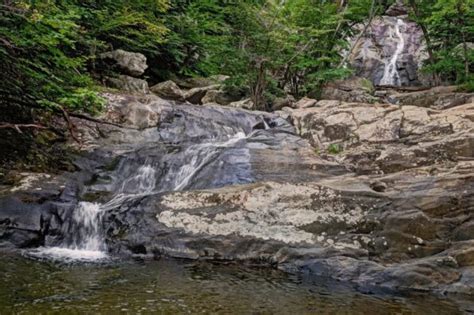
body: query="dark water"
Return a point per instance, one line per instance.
(171, 287)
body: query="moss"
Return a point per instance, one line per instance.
(335, 148)
(367, 84)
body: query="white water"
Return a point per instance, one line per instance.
(201, 155)
(391, 75)
(88, 243)
(88, 240)
(142, 183)
(88, 217)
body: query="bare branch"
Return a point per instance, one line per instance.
(18, 127)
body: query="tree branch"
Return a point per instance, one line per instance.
(70, 125)
(99, 121)
(18, 127)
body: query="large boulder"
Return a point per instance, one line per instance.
(354, 89)
(130, 63)
(139, 112)
(195, 95)
(127, 83)
(388, 138)
(245, 104)
(124, 116)
(168, 90)
(305, 102)
(219, 96)
(281, 102)
(200, 82)
(459, 49)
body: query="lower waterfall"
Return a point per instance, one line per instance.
(84, 236)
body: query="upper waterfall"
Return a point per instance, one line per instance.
(391, 51)
(391, 75)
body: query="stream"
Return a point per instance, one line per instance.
(84, 237)
(108, 241)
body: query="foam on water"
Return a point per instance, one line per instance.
(68, 254)
(86, 244)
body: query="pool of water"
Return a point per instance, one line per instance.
(172, 286)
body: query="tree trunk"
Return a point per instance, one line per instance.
(259, 86)
(461, 23)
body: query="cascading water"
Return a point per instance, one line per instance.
(85, 240)
(391, 75)
(86, 244)
(200, 155)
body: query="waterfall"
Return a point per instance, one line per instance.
(87, 218)
(84, 237)
(85, 240)
(86, 243)
(391, 75)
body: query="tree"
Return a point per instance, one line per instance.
(46, 46)
(450, 29)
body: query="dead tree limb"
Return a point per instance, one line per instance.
(70, 125)
(18, 127)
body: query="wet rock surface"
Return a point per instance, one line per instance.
(377, 194)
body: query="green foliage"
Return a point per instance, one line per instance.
(335, 148)
(449, 27)
(46, 47)
(268, 47)
(468, 86)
